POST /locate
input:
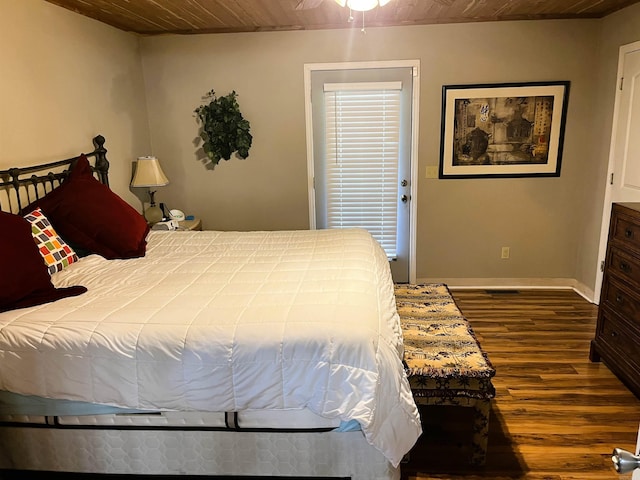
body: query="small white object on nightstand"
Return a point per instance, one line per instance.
(176, 215)
(168, 225)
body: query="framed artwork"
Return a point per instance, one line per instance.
(503, 130)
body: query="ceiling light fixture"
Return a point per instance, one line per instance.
(362, 5)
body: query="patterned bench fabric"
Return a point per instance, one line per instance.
(444, 361)
(438, 340)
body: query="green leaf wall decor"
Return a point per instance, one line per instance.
(223, 130)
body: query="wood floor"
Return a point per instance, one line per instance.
(556, 415)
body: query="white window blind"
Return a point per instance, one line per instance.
(362, 148)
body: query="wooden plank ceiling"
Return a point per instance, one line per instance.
(156, 17)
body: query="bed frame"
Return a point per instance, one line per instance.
(44, 444)
(20, 186)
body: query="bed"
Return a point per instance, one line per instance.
(200, 353)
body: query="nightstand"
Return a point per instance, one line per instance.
(195, 224)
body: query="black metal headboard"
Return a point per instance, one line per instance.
(20, 186)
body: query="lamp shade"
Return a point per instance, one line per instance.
(149, 173)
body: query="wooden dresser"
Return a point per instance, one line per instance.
(617, 339)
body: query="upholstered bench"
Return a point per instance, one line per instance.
(444, 361)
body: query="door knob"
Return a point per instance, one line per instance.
(624, 461)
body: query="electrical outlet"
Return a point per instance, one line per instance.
(505, 252)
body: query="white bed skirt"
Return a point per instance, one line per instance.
(174, 452)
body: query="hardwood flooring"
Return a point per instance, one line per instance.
(556, 415)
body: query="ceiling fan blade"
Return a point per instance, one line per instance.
(308, 4)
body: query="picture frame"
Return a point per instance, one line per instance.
(503, 130)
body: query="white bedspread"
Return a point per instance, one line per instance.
(225, 321)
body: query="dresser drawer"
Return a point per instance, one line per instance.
(622, 300)
(624, 266)
(625, 228)
(619, 337)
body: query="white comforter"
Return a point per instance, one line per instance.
(224, 321)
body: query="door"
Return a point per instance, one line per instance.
(362, 137)
(623, 182)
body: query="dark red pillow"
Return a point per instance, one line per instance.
(89, 216)
(24, 277)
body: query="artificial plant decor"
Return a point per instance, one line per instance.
(223, 130)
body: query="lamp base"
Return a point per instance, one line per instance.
(153, 214)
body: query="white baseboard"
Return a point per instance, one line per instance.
(515, 283)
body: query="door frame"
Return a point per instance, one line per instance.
(415, 102)
(606, 210)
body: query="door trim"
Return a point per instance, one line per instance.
(415, 102)
(606, 210)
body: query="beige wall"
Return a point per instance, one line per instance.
(65, 78)
(462, 224)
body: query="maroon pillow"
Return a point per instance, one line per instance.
(89, 216)
(24, 277)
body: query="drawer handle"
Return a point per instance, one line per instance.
(628, 233)
(625, 267)
(614, 334)
(619, 299)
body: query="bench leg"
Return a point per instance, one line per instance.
(481, 414)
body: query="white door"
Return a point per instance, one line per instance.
(361, 138)
(623, 181)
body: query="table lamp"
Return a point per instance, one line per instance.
(149, 174)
